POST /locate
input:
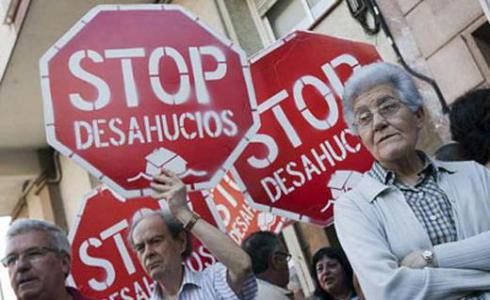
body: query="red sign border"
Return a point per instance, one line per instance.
(209, 198)
(73, 231)
(236, 175)
(49, 118)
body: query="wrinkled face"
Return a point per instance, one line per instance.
(330, 274)
(37, 273)
(158, 252)
(386, 126)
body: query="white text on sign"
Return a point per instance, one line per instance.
(199, 259)
(130, 88)
(103, 133)
(117, 131)
(296, 172)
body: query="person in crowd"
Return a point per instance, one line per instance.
(452, 151)
(270, 265)
(470, 125)
(38, 259)
(413, 227)
(161, 240)
(333, 275)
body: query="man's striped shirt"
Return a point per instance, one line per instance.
(210, 284)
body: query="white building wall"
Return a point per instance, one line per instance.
(8, 35)
(73, 187)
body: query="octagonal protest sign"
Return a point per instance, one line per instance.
(237, 217)
(103, 264)
(234, 215)
(131, 89)
(303, 155)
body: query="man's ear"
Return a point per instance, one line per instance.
(182, 238)
(273, 261)
(65, 263)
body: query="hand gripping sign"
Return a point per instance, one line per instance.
(289, 166)
(103, 264)
(132, 89)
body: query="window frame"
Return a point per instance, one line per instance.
(474, 49)
(313, 14)
(11, 20)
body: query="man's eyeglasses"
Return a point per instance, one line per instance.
(32, 254)
(364, 117)
(286, 255)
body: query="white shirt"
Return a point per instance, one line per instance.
(269, 291)
(210, 284)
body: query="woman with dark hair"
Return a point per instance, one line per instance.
(333, 275)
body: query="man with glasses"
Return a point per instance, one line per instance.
(161, 241)
(270, 265)
(38, 259)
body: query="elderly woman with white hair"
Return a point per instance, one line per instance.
(413, 227)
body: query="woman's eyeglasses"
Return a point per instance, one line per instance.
(364, 117)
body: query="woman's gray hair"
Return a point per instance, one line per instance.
(369, 76)
(56, 234)
(173, 225)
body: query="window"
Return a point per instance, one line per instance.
(4, 4)
(279, 17)
(7, 11)
(477, 39)
(486, 8)
(285, 15)
(12, 13)
(482, 40)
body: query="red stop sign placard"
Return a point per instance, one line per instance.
(131, 89)
(303, 155)
(234, 214)
(103, 264)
